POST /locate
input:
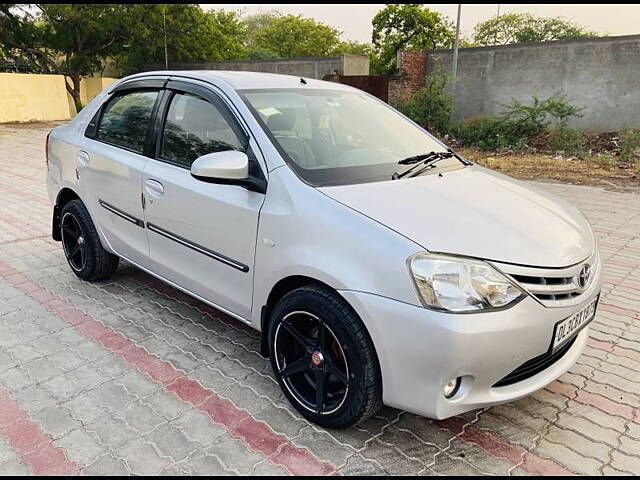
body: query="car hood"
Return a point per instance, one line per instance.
(475, 212)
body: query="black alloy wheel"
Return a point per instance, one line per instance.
(311, 362)
(85, 254)
(73, 242)
(323, 357)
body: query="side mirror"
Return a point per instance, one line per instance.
(227, 165)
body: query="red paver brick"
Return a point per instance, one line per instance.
(49, 460)
(189, 391)
(625, 312)
(256, 435)
(527, 461)
(26, 437)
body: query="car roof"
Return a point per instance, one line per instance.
(240, 80)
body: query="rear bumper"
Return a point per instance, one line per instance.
(421, 350)
(53, 187)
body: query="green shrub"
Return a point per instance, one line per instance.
(535, 118)
(516, 124)
(563, 138)
(629, 145)
(430, 106)
(490, 134)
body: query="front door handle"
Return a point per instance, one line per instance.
(154, 187)
(83, 158)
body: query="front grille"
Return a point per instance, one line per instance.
(553, 287)
(535, 365)
(549, 288)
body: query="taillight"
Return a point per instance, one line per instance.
(46, 150)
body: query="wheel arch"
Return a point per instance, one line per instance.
(279, 290)
(64, 196)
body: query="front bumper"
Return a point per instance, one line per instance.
(420, 350)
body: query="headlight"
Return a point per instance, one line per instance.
(460, 284)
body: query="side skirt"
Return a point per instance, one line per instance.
(190, 293)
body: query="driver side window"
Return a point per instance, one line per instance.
(195, 127)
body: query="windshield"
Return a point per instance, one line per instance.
(337, 137)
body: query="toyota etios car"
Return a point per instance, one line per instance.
(380, 266)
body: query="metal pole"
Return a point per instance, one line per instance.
(495, 37)
(455, 45)
(166, 57)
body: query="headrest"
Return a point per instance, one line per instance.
(283, 120)
(200, 115)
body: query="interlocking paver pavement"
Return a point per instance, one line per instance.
(130, 376)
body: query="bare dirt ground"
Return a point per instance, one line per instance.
(602, 170)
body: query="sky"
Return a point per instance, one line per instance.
(354, 20)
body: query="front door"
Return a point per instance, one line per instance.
(201, 235)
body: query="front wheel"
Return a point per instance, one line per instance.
(82, 248)
(323, 358)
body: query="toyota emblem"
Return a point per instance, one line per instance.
(583, 276)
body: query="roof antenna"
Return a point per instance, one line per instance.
(303, 81)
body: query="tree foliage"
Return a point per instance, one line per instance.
(272, 35)
(69, 39)
(192, 35)
(77, 39)
(351, 47)
(526, 28)
(407, 26)
(285, 36)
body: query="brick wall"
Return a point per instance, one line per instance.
(410, 75)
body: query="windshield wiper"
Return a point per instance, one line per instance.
(424, 160)
(419, 158)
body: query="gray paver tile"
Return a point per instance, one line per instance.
(114, 420)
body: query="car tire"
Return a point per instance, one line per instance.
(345, 363)
(82, 248)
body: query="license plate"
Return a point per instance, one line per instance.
(566, 328)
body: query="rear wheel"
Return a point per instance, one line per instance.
(323, 358)
(82, 248)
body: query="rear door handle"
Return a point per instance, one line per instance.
(154, 187)
(83, 158)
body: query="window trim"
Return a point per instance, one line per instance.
(144, 83)
(91, 131)
(171, 95)
(256, 182)
(175, 87)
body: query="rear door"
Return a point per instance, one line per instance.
(202, 236)
(110, 162)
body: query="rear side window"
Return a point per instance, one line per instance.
(195, 127)
(125, 119)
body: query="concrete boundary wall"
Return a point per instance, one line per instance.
(600, 74)
(32, 97)
(316, 68)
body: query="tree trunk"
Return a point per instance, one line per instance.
(74, 90)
